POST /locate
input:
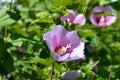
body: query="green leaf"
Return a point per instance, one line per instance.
(88, 33)
(39, 60)
(19, 41)
(46, 20)
(5, 18)
(103, 2)
(0, 78)
(90, 66)
(115, 45)
(44, 16)
(58, 3)
(105, 47)
(83, 75)
(15, 14)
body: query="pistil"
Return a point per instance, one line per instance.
(102, 19)
(62, 50)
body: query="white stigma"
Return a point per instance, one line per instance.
(63, 50)
(68, 20)
(102, 19)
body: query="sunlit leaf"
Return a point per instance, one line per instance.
(44, 17)
(103, 2)
(39, 60)
(58, 3)
(5, 18)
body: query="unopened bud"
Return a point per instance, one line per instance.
(71, 75)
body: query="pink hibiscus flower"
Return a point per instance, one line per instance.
(64, 45)
(102, 20)
(74, 18)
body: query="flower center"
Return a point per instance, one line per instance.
(102, 19)
(62, 50)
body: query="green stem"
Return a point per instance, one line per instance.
(5, 38)
(88, 3)
(110, 75)
(45, 2)
(52, 71)
(11, 5)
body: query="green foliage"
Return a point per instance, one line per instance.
(44, 17)
(61, 3)
(5, 18)
(25, 56)
(40, 60)
(103, 2)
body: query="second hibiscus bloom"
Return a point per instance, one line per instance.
(74, 18)
(103, 20)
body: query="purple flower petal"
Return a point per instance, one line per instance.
(59, 32)
(51, 42)
(109, 9)
(78, 52)
(101, 24)
(55, 38)
(94, 19)
(77, 46)
(110, 20)
(50, 39)
(99, 9)
(80, 19)
(73, 18)
(73, 38)
(63, 58)
(103, 20)
(70, 16)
